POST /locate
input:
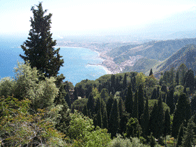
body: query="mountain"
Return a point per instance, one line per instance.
(158, 50)
(146, 55)
(184, 55)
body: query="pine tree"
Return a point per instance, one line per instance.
(135, 106)
(140, 102)
(39, 48)
(114, 119)
(129, 100)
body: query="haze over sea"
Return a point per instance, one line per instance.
(77, 61)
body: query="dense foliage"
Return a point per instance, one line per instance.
(128, 109)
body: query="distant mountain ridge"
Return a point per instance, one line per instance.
(152, 53)
(186, 55)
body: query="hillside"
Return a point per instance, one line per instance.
(184, 55)
(141, 55)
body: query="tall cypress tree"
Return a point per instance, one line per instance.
(140, 102)
(135, 106)
(153, 121)
(189, 135)
(67, 99)
(125, 81)
(170, 100)
(145, 120)
(123, 116)
(150, 72)
(180, 135)
(160, 118)
(109, 105)
(39, 48)
(104, 115)
(167, 128)
(180, 114)
(154, 94)
(193, 104)
(75, 94)
(129, 100)
(114, 119)
(90, 105)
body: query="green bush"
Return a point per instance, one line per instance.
(132, 142)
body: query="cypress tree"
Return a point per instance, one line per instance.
(114, 119)
(90, 105)
(39, 48)
(123, 116)
(167, 123)
(177, 77)
(154, 94)
(145, 120)
(129, 100)
(125, 81)
(135, 106)
(99, 119)
(189, 80)
(140, 102)
(85, 111)
(75, 94)
(151, 73)
(189, 136)
(160, 118)
(67, 99)
(109, 105)
(153, 121)
(104, 116)
(180, 135)
(170, 100)
(104, 94)
(113, 84)
(179, 114)
(193, 104)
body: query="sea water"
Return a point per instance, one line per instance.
(79, 63)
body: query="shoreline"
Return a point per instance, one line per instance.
(105, 68)
(99, 56)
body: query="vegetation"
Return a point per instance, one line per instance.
(128, 109)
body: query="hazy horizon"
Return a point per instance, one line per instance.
(103, 17)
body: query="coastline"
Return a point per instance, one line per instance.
(99, 56)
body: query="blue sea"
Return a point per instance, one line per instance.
(77, 61)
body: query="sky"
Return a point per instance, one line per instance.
(83, 17)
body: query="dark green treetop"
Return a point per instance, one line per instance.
(39, 48)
